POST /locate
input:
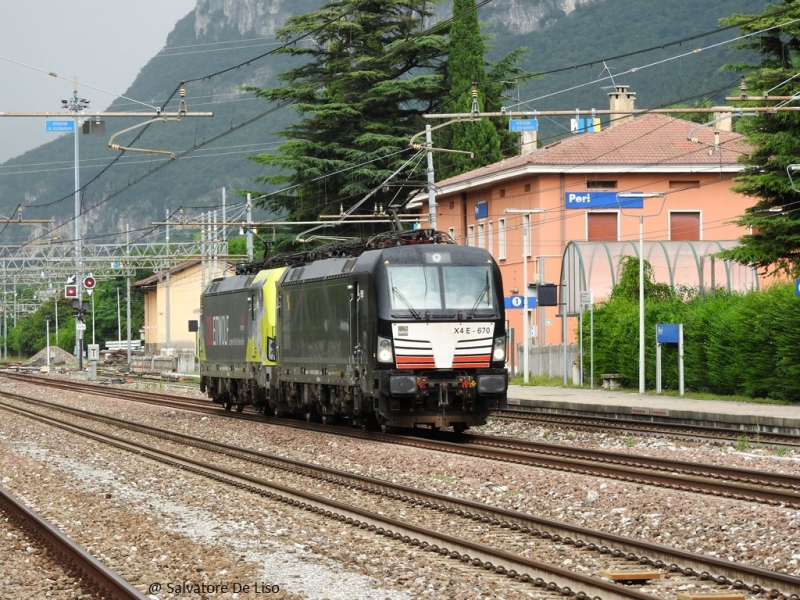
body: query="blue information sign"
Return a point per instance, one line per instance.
(797, 286)
(60, 126)
(523, 125)
(667, 334)
(601, 200)
(513, 302)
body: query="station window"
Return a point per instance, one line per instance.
(680, 184)
(595, 184)
(684, 226)
(602, 227)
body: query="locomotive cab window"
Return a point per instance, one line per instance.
(445, 287)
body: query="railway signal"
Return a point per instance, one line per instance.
(70, 291)
(89, 283)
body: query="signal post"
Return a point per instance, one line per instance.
(76, 116)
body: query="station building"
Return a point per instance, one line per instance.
(566, 213)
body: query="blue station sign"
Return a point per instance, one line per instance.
(60, 126)
(523, 125)
(590, 200)
(513, 302)
(667, 333)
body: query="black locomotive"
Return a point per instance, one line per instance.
(404, 330)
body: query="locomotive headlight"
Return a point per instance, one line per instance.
(499, 351)
(385, 353)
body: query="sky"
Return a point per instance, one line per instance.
(104, 43)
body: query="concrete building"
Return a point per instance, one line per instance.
(171, 301)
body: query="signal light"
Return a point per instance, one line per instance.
(89, 282)
(70, 291)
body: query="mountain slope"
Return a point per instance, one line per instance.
(206, 44)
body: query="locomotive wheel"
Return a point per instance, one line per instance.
(327, 419)
(227, 404)
(239, 408)
(460, 428)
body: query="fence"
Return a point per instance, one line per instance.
(123, 345)
(548, 361)
(182, 362)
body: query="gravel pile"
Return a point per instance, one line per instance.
(156, 525)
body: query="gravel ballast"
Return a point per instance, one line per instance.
(156, 525)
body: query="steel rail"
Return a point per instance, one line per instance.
(76, 559)
(633, 550)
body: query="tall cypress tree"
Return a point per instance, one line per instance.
(470, 87)
(774, 244)
(367, 71)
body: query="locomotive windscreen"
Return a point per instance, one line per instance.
(445, 286)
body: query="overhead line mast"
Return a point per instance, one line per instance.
(76, 110)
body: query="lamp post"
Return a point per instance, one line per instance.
(47, 321)
(77, 106)
(641, 216)
(789, 170)
(526, 248)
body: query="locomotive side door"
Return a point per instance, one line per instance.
(356, 320)
(359, 340)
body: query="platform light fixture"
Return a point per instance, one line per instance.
(620, 202)
(526, 315)
(789, 170)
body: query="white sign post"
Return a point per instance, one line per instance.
(587, 298)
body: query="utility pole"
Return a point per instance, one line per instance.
(128, 294)
(166, 288)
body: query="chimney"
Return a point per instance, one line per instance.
(527, 142)
(723, 116)
(621, 100)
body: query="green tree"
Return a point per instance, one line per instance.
(29, 336)
(107, 314)
(774, 244)
(465, 78)
(366, 72)
(109, 301)
(471, 87)
(628, 285)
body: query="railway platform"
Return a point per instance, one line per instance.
(751, 417)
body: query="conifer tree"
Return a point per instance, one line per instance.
(367, 70)
(471, 88)
(774, 244)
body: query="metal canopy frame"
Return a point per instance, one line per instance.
(595, 267)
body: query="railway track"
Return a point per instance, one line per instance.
(646, 425)
(96, 577)
(655, 426)
(728, 482)
(516, 538)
